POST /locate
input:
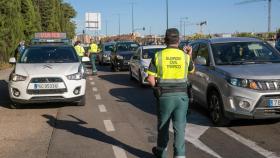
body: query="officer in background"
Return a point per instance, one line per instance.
(20, 49)
(93, 50)
(79, 49)
(167, 75)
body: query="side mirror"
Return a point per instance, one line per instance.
(200, 61)
(12, 60)
(85, 59)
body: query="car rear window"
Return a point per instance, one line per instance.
(49, 55)
(150, 53)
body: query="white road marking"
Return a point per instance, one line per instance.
(119, 152)
(92, 83)
(252, 145)
(102, 108)
(97, 97)
(94, 89)
(109, 126)
(90, 78)
(194, 130)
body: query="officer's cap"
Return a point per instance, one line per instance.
(172, 36)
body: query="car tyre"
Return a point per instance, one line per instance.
(140, 78)
(216, 109)
(14, 105)
(130, 74)
(82, 102)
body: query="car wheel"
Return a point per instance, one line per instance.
(140, 79)
(14, 105)
(216, 109)
(82, 102)
(130, 74)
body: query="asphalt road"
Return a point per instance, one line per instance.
(119, 121)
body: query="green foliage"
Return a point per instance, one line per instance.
(20, 19)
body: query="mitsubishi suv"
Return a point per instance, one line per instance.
(47, 73)
(236, 78)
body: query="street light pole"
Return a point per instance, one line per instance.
(132, 16)
(119, 17)
(106, 23)
(167, 14)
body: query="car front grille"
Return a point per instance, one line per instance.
(46, 80)
(46, 91)
(269, 85)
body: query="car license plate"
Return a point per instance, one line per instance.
(46, 86)
(274, 102)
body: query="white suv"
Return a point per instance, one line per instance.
(47, 73)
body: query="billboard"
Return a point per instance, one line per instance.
(93, 21)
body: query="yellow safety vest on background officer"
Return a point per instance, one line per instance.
(80, 50)
(93, 50)
(168, 71)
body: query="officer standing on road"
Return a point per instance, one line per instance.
(93, 50)
(168, 73)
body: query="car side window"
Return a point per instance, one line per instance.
(203, 52)
(195, 49)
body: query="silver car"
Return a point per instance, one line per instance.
(141, 60)
(236, 78)
(104, 55)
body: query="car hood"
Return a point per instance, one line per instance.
(47, 69)
(252, 71)
(146, 62)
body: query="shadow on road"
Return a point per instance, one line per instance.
(141, 98)
(4, 94)
(119, 79)
(76, 127)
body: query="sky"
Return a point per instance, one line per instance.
(222, 16)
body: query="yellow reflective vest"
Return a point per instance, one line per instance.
(80, 50)
(172, 66)
(93, 48)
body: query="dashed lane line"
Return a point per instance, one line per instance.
(90, 78)
(109, 126)
(97, 97)
(252, 145)
(119, 152)
(94, 89)
(102, 108)
(92, 83)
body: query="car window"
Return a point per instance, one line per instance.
(129, 46)
(136, 56)
(150, 53)
(109, 47)
(203, 52)
(49, 55)
(241, 52)
(195, 47)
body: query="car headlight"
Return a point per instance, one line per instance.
(244, 83)
(16, 77)
(79, 75)
(76, 76)
(119, 57)
(105, 55)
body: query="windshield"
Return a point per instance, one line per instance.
(150, 53)
(127, 46)
(243, 52)
(109, 48)
(49, 55)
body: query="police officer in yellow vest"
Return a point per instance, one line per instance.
(93, 50)
(168, 74)
(79, 49)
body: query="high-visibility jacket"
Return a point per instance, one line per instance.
(172, 67)
(80, 50)
(93, 48)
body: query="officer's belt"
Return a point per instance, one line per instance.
(173, 89)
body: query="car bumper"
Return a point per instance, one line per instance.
(41, 96)
(106, 60)
(123, 64)
(258, 106)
